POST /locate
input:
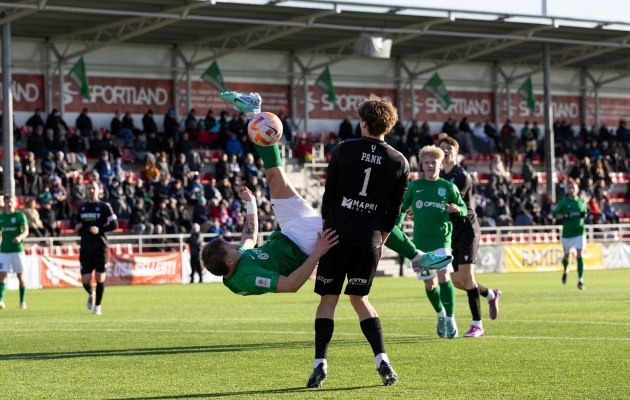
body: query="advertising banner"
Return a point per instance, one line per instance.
(142, 269)
(275, 98)
(548, 257)
(28, 92)
(64, 271)
(347, 100)
(490, 259)
(476, 106)
(616, 255)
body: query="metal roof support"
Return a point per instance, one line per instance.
(293, 94)
(597, 121)
(584, 94)
(306, 99)
(176, 80)
(48, 79)
(412, 99)
(61, 89)
(7, 109)
(188, 90)
(121, 31)
(550, 157)
(399, 91)
(495, 87)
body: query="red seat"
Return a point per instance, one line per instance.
(66, 226)
(127, 155)
(123, 224)
(206, 178)
(26, 130)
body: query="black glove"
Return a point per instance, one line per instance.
(582, 214)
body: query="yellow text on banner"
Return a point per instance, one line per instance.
(548, 257)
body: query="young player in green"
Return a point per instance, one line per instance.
(432, 200)
(14, 229)
(571, 210)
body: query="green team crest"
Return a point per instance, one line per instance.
(442, 191)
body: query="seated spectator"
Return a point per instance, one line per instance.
(194, 191)
(234, 167)
(183, 219)
(18, 174)
(110, 145)
(35, 143)
(593, 208)
(181, 170)
(530, 177)
(221, 170)
(608, 212)
(161, 217)
(254, 185)
(143, 193)
(141, 146)
(191, 121)
(523, 218)
(304, 149)
(201, 215)
(35, 225)
(117, 199)
(49, 221)
(33, 180)
(48, 167)
(168, 147)
(497, 168)
(116, 125)
(212, 192)
(84, 124)
(509, 143)
(162, 189)
(502, 214)
(139, 219)
(78, 194)
(129, 189)
(150, 173)
(62, 170)
(97, 145)
(250, 169)
(153, 143)
(59, 195)
(216, 228)
(49, 140)
(163, 165)
(127, 123)
(226, 190)
(60, 144)
(233, 146)
(76, 145)
(148, 123)
(104, 168)
(177, 192)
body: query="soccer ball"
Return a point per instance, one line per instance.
(265, 129)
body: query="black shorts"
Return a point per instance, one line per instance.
(358, 263)
(465, 247)
(92, 261)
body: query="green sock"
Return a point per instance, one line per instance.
(22, 294)
(580, 263)
(447, 296)
(565, 264)
(270, 155)
(3, 286)
(434, 298)
(400, 243)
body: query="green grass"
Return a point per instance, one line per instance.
(200, 341)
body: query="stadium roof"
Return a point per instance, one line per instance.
(442, 36)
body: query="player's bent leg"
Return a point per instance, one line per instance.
(86, 280)
(399, 242)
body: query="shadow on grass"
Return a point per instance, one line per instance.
(220, 348)
(246, 392)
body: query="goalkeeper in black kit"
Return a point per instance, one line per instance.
(95, 219)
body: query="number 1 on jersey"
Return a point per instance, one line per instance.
(367, 171)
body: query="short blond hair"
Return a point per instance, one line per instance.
(432, 151)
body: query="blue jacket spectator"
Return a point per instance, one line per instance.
(233, 146)
(104, 168)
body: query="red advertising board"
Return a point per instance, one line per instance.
(611, 110)
(275, 98)
(63, 271)
(474, 105)
(348, 100)
(28, 92)
(568, 108)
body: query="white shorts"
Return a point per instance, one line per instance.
(298, 221)
(430, 274)
(579, 242)
(12, 262)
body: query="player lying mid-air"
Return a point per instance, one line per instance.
(288, 259)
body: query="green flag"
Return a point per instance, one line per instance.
(527, 92)
(436, 88)
(213, 76)
(324, 82)
(78, 76)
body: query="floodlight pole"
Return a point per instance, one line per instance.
(549, 134)
(305, 72)
(7, 110)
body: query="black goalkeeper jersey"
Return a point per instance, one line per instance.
(366, 182)
(101, 215)
(462, 179)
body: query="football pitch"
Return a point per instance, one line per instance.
(201, 341)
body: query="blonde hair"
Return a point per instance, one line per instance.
(432, 151)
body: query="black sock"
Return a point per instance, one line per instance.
(371, 328)
(100, 288)
(88, 287)
(324, 328)
(482, 290)
(473, 303)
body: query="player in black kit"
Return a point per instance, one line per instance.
(95, 219)
(466, 234)
(365, 185)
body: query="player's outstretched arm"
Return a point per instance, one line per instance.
(293, 282)
(249, 237)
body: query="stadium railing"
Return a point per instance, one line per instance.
(138, 244)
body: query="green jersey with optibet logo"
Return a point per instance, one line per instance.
(432, 226)
(12, 225)
(573, 212)
(259, 269)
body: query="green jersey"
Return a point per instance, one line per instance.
(573, 212)
(432, 226)
(259, 269)
(12, 225)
